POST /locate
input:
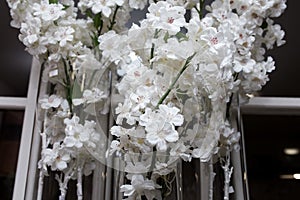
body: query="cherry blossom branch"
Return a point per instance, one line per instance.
(185, 66)
(211, 179)
(43, 167)
(63, 182)
(42, 173)
(79, 183)
(40, 185)
(227, 174)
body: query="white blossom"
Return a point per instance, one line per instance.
(159, 132)
(167, 80)
(163, 15)
(139, 186)
(48, 11)
(56, 157)
(90, 96)
(64, 35)
(50, 102)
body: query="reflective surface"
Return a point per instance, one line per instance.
(10, 134)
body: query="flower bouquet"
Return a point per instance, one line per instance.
(167, 83)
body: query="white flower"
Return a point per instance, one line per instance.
(213, 38)
(243, 64)
(120, 131)
(163, 15)
(137, 167)
(93, 135)
(228, 45)
(159, 132)
(114, 147)
(179, 150)
(278, 7)
(31, 36)
(141, 98)
(48, 11)
(56, 157)
(13, 4)
(123, 111)
(172, 49)
(139, 186)
(136, 75)
(103, 6)
(171, 115)
(64, 35)
(90, 96)
(29, 33)
(206, 143)
(108, 43)
(51, 102)
(147, 117)
(258, 77)
(64, 110)
(78, 135)
(138, 4)
(273, 34)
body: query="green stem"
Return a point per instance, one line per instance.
(153, 47)
(185, 66)
(200, 9)
(53, 1)
(152, 51)
(98, 24)
(113, 21)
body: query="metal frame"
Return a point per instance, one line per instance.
(28, 124)
(272, 106)
(257, 106)
(13, 103)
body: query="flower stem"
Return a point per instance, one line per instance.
(211, 179)
(42, 170)
(153, 48)
(200, 9)
(113, 20)
(79, 183)
(227, 174)
(185, 66)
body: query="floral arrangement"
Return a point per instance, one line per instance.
(169, 82)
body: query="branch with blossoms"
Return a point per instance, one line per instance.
(177, 78)
(63, 36)
(177, 88)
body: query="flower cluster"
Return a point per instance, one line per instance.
(179, 76)
(171, 86)
(63, 36)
